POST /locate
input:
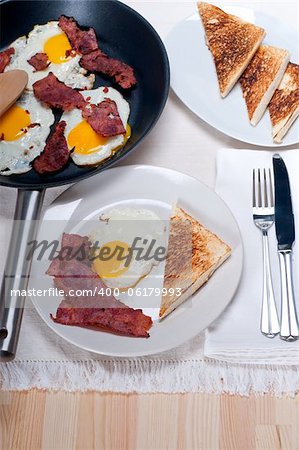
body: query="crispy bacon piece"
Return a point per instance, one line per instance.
(100, 311)
(5, 58)
(93, 59)
(73, 247)
(56, 153)
(56, 94)
(39, 61)
(82, 41)
(125, 321)
(104, 118)
(100, 62)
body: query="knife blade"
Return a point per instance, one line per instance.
(285, 233)
(284, 217)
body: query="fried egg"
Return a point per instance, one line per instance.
(115, 260)
(89, 147)
(24, 128)
(50, 39)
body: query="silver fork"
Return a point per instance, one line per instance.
(263, 217)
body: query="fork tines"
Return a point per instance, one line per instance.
(262, 192)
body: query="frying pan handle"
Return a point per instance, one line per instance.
(17, 270)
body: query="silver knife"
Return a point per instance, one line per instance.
(285, 233)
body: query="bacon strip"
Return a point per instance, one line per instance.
(5, 58)
(82, 41)
(104, 118)
(93, 59)
(73, 247)
(100, 62)
(101, 311)
(56, 154)
(125, 321)
(39, 61)
(56, 94)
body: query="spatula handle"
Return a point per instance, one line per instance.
(17, 270)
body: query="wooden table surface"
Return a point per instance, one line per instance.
(42, 420)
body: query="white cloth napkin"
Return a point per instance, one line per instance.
(235, 336)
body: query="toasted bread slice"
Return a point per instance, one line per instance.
(232, 43)
(194, 253)
(261, 79)
(284, 106)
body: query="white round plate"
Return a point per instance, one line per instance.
(194, 79)
(157, 189)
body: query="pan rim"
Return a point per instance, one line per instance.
(150, 127)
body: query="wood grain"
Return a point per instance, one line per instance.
(12, 84)
(37, 420)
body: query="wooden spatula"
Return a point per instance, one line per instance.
(12, 84)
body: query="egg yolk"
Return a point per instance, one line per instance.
(13, 122)
(126, 136)
(110, 259)
(85, 140)
(56, 48)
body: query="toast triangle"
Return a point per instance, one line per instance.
(284, 106)
(232, 43)
(261, 79)
(194, 253)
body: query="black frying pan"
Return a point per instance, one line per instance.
(123, 34)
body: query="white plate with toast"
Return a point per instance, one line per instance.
(194, 78)
(156, 189)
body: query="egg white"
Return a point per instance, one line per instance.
(74, 117)
(125, 225)
(16, 156)
(70, 72)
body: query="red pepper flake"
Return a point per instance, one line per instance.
(31, 147)
(26, 111)
(32, 125)
(2, 137)
(88, 98)
(106, 90)
(71, 53)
